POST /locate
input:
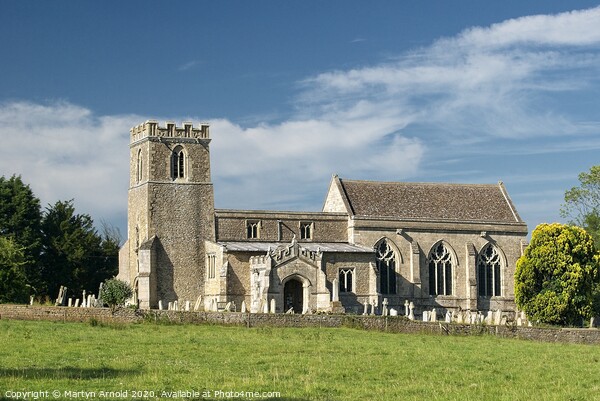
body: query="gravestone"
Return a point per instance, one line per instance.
(393, 312)
(366, 308)
(433, 315)
(425, 316)
(448, 317)
(406, 307)
(385, 307)
(335, 290)
(160, 305)
(187, 306)
(411, 313)
(243, 306)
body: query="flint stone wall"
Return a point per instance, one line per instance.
(393, 324)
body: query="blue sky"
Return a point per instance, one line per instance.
(447, 91)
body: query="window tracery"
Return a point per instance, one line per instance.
(440, 270)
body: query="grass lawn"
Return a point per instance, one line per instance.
(300, 364)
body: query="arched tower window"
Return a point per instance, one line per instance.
(140, 166)
(386, 264)
(489, 272)
(178, 163)
(440, 270)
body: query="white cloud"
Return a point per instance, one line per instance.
(63, 151)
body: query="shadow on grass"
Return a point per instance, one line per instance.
(66, 373)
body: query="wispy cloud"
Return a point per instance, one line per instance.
(189, 65)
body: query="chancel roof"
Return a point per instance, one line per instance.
(428, 201)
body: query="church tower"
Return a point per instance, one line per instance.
(170, 213)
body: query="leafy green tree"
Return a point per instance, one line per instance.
(74, 254)
(20, 220)
(13, 282)
(582, 203)
(115, 293)
(556, 278)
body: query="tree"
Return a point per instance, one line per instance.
(13, 282)
(582, 203)
(115, 293)
(74, 254)
(20, 220)
(556, 278)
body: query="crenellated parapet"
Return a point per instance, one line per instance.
(151, 129)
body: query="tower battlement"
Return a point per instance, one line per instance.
(151, 129)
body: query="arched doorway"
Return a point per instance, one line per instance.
(293, 296)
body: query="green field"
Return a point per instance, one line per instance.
(300, 364)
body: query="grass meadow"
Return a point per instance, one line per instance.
(300, 364)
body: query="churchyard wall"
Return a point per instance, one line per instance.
(393, 324)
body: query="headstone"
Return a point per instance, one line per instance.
(519, 321)
(498, 317)
(83, 301)
(265, 307)
(425, 316)
(89, 301)
(411, 313)
(228, 307)
(336, 290)
(366, 308)
(433, 316)
(176, 305)
(372, 307)
(273, 305)
(31, 300)
(70, 302)
(393, 312)
(385, 307)
(460, 318)
(406, 307)
(290, 311)
(77, 303)
(243, 306)
(160, 304)
(170, 306)
(187, 306)
(100, 301)
(592, 322)
(489, 318)
(473, 318)
(448, 317)
(198, 302)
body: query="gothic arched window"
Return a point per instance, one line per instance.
(178, 163)
(139, 166)
(440, 270)
(386, 264)
(489, 272)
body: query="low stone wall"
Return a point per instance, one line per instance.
(394, 324)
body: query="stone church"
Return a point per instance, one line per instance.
(447, 246)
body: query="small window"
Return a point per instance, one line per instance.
(178, 163)
(140, 166)
(253, 229)
(346, 278)
(211, 263)
(306, 230)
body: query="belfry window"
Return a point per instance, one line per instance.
(440, 270)
(140, 166)
(346, 278)
(489, 272)
(178, 163)
(253, 229)
(386, 264)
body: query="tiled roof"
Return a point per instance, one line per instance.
(430, 201)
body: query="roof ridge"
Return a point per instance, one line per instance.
(419, 182)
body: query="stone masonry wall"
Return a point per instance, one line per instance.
(394, 324)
